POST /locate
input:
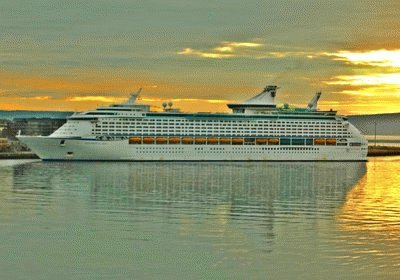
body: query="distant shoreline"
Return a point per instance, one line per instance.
(377, 151)
(373, 151)
(19, 155)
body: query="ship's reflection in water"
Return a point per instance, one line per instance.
(211, 220)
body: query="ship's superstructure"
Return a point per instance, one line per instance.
(255, 130)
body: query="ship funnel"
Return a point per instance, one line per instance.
(312, 106)
(271, 90)
(266, 97)
(134, 96)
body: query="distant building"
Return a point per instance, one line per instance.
(36, 126)
(3, 125)
(5, 129)
(4, 144)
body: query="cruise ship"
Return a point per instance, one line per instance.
(256, 130)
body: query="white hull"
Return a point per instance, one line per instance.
(48, 148)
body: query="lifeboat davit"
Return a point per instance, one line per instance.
(237, 141)
(135, 140)
(187, 140)
(319, 141)
(261, 141)
(174, 140)
(212, 141)
(224, 141)
(200, 140)
(161, 140)
(273, 141)
(148, 140)
(331, 141)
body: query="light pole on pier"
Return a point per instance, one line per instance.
(375, 132)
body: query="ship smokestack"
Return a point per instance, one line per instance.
(312, 106)
(271, 90)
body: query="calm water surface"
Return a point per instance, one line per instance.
(200, 220)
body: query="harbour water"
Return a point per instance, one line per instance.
(99, 220)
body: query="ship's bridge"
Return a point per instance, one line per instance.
(262, 103)
(128, 108)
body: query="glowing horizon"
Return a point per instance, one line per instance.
(75, 56)
(369, 86)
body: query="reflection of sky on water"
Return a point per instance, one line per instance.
(368, 224)
(277, 219)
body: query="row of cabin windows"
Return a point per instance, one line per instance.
(226, 130)
(219, 126)
(243, 127)
(215, 120)
(159, 132)
(221, 129)
(227, 122)
(210, 122)
(234, 149)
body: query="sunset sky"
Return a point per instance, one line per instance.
(76, 55)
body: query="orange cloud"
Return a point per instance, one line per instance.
(32, 82)
(223, 50)
(251, 50)
(105, 99)
(190, 51)
(89, 92)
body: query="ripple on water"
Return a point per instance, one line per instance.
(212, 220)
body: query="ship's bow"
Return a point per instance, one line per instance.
(44, 147)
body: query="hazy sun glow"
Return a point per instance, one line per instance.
(382, 58)
(374, 84)
(366, 80)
